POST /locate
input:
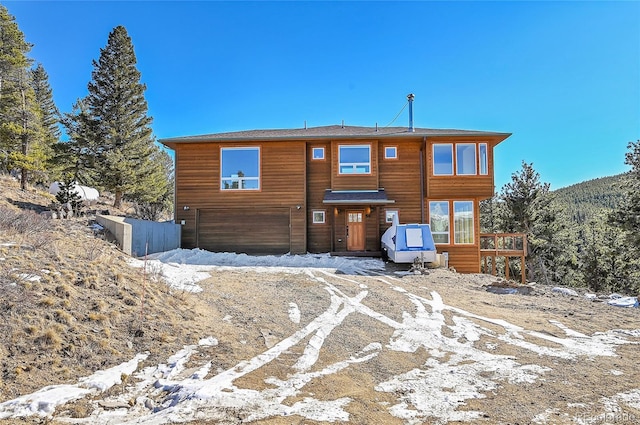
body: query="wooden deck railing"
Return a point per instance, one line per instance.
(507, 245)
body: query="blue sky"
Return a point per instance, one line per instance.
(563, 77)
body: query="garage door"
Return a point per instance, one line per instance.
(263, 231)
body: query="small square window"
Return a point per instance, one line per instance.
(390, 152)
(388, 217)
(318, 217)
(317, 153)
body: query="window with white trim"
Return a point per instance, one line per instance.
(484, 162)
(466, 159)
(390, 152)
(441, 217)
(443, 159)
(463, 222)
(354, 159)
(319, 217)
(317, 153)
(389, 214)
(240, 168)
(461, 159)
(439, 221)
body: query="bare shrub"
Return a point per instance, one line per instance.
(50, 338)
(24, 222)
(154, 272)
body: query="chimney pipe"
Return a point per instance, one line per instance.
(410, 98)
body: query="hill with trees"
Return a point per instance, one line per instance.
(586, 200)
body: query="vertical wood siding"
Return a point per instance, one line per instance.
(282, 184)
(401, 180)
(458, 186)
(318, 180)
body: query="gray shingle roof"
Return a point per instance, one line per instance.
(331, 131)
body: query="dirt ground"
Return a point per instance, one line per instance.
(247, 306)
(549, 368)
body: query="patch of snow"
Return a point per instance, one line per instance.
(208, 342)
(346, 265)
(29, 277)
(294, 313)
(565, 291)
(624, 302)
(45, 401)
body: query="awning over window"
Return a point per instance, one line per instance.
(368, 197)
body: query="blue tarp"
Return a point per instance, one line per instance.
(414, 233)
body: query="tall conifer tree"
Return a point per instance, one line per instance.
(49, 113)
(529, 208)
(18, 114)
(122, 136)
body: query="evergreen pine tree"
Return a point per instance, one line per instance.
(67, 194)
(49, 113)
(13, 48)
(528, 208)
(117, 119)
(20, 129)
(627, 219)
(18, 114)
(78, 155)
(155, 196)
(628, 215)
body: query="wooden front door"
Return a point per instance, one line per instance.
(355, 230)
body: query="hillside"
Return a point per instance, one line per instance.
(584, 201)
(70, 303)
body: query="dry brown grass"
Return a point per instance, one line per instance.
(69, 302)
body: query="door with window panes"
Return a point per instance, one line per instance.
(355, 230)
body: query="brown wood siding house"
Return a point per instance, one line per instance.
(332, 189)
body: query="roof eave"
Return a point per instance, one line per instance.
(499, 137)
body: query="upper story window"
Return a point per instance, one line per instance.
(443, 159)
(390, 152)
(354, 159)
(240, 168)
(317, 153)
(467, 159)
(484, 166)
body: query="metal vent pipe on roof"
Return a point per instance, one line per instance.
(410, 98)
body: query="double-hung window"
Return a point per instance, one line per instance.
(354, 159)
(240, 168)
